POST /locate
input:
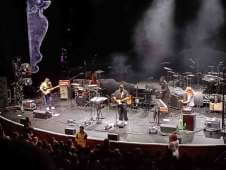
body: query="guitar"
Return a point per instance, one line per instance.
(127, 100)
(49, 90)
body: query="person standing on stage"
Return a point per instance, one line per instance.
(81, 137)
(46, 87)
(121, 97)
(93, 79)
(165, 92)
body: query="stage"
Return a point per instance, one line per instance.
(68, 114)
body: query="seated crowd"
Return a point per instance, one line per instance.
(28, 151)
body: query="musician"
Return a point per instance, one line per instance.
(93, 79)
(164, 93)
(44, 87)
(189, 98)
(120, 96)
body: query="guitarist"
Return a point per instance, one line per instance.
(120, 96)
(45, 88)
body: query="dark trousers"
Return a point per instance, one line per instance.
(122, 111)
(48, 100)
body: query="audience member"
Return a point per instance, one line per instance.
(81, 137)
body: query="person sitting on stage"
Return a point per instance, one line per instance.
(45, 88)
(121, 97)
(189, 102)
(81, 137)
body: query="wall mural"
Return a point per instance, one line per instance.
(37, 28)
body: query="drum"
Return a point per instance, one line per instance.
(81, 100)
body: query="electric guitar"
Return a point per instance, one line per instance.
(127, 100)
(49, 90)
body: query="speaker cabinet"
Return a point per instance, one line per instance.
(166, 129)
(189, 121)
(41, 114)
(113, 136)
(70, 130)
(64, 89)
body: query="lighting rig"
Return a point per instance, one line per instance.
(22, 75)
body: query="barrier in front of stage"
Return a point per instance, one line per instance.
(191, 150)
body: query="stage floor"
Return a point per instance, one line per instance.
(137, 130)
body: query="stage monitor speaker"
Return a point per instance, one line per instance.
(29, 104)
(113, 136)
(70, 130)
(213, 135)
(41, 114)
(212, 124)
(23, 121)
(189, 121)
(166, 129)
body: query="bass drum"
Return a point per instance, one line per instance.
(198, 99)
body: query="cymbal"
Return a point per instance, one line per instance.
(186, 73)
(92, 85)
(211, 78)
(167, 68)
(171, 72)
(75, 84)
(213, 73)
(99, 71)
(191, 75)
(80, 88)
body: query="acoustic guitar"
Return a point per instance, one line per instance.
(49, 90)
(127, 100)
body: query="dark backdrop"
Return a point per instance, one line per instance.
(90, 30)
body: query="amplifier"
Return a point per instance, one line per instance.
(189, 121)
(41, 114)
(64, 89)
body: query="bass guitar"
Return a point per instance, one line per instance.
(49, 90)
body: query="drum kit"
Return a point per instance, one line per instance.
(188, 78)
(83, 94)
